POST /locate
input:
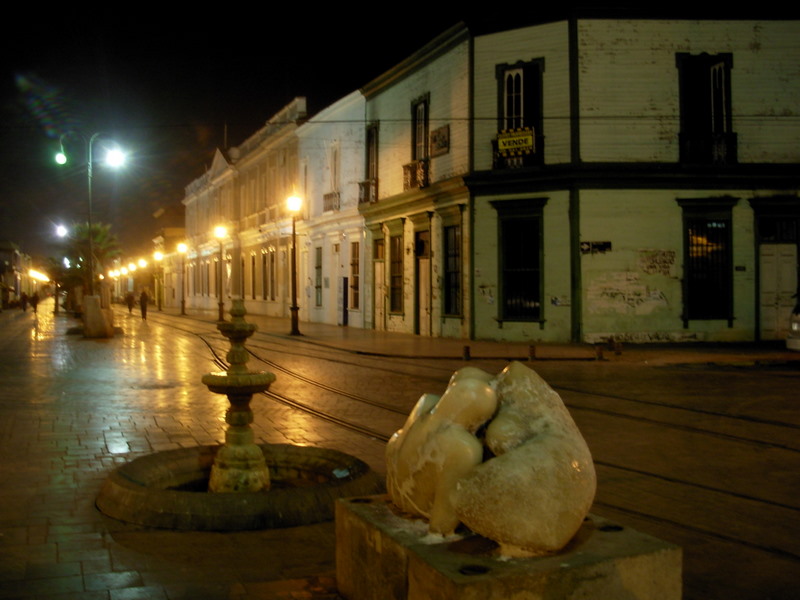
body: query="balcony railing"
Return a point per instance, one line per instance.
(415, 174)
(330, 201)
(368, 191)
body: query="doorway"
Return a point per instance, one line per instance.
(777, 287)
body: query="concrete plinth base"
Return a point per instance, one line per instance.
(97, 322)
(381, 555)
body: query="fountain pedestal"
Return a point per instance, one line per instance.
(239, 465)
(383, 555)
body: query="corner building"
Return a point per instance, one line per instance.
(635, 180)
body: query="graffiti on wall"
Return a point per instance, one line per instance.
(623, 293)
(657, 262)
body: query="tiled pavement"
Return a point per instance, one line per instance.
(71, 409)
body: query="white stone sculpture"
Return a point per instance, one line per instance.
(532, 492)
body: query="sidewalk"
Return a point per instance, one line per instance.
(383, 343)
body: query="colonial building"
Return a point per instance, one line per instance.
(331, 151)
(636, 179)
(414, 200)
(237, 225)
(573, 180)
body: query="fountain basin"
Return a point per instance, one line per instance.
(157, 490)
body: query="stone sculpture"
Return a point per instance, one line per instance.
(501, 455)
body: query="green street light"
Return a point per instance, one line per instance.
(114, 158)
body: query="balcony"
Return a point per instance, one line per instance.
(415, 174)
(330, 202)
(368, 191)
(517, 148)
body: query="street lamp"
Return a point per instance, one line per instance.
(114, 158)
(294, 203)
(158, 257)
(182, 249)
(220, 232)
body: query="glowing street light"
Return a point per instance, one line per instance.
(114, 158)
(294, 203)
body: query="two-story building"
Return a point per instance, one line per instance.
(238, 226)
(636, 179)
(331, 246)
(573, 180)
(413, 198)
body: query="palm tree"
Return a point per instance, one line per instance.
(105, 247)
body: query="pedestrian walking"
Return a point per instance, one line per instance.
(130, 300)
(143, 304)
(34, 301)
(23, 301)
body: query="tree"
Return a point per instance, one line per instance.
(104, 245)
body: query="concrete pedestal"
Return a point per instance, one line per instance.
(381, 555)
(97, 322)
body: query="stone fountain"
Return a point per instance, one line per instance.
(239, 485)
(240, 465)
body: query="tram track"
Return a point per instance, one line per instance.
(672, 493)
(569, 393)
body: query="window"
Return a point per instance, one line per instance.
(415, 174)
(318, 276)
(520, 257)
(355, 268)
(272, 275)
(253, 272)
(708, 272)
(519, 98)
(452, 270)
(242, 278)
(264, 280)
(419, 117)
(368, 190)
(706, 134)
(396, 273)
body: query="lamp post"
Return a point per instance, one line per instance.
(220, 232)
(182, 248)
(114, 158)
(294, 203)
(158, 257)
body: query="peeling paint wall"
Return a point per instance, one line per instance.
(634, 291)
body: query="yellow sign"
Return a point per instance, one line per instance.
(518, 141)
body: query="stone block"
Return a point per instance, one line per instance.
(381, 555)
(97, 322)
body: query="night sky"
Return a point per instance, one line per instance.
(171, 90)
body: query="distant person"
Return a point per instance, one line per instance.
(130, 300)
(23, 301)
(143, 304)
(34, 301)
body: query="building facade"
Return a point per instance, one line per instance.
(574, 180)
(636, 179)
(332, 242)
(413, 197)
(238, 227)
